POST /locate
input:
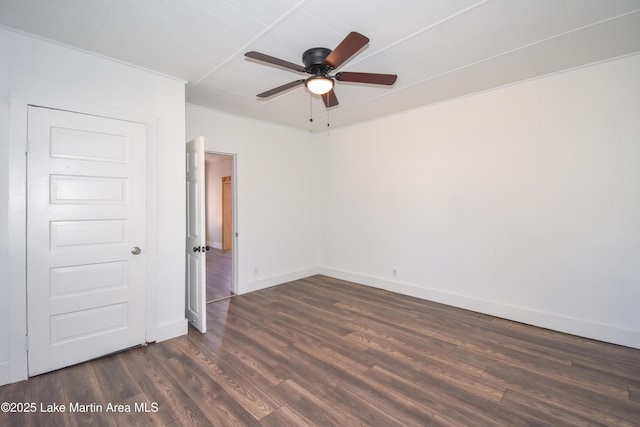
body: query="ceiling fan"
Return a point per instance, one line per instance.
(320, 62)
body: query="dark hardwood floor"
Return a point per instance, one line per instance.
(324, 352)
(218, 274)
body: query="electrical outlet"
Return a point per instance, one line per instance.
(255, 270)
(394, 273)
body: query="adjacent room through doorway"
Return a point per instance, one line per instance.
(219, 204)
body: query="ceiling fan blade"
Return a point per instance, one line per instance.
(280, 89)
(373, 78)
(330, 99)
(275, 61)
(346, 49)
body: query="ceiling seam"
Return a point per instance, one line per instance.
(241, 51)
(268, 101)
(90, 52)
(491, 58)
(420, 31)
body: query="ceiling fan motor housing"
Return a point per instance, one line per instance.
(313, 59)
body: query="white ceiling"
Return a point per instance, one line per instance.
(440, 49)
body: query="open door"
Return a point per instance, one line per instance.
(196, 246)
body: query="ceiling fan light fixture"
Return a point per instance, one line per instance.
(319, 84)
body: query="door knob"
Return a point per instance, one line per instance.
(136, 250)
(196, 249)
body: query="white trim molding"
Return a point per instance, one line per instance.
(5, 376)
(579, 327)
(279, 279)
(171, 330)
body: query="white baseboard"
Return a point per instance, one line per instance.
(171, 330)
(279, 279)
(556, 322)
(5, 376)
(216, 245)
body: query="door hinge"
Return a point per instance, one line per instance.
(26, 342)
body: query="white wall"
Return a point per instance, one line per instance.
(216, 166)
(277, 195)
(522, 202)
(31, 66)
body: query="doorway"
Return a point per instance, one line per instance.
(219, 226)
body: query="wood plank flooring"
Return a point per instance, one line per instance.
(324, 352)
(218, 274)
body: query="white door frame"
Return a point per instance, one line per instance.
(17, 211)
(234, 219)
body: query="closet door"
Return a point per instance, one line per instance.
(86, 263)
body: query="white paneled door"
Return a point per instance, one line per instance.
(196, 259)
(86, 280)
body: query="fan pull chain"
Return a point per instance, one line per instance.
(310, 111)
